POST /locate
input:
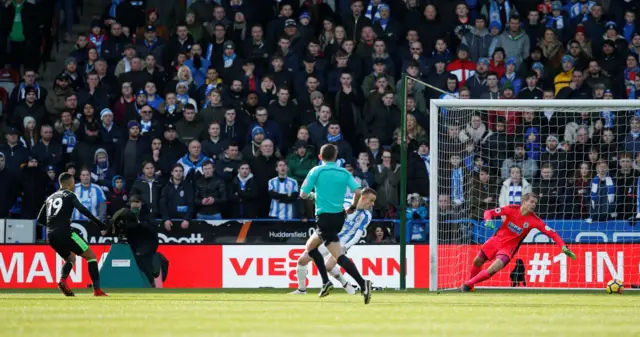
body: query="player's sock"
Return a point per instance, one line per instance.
(66, 269)
(474, 271)
(319, 261)
(335, 272)
(301, 273)
(351, 269)
(482, 276)
(94, 273)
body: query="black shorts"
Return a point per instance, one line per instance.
(65, 244)
(329, 225)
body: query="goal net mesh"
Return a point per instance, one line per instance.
(582, 162)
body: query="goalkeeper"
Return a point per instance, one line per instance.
(519, 220)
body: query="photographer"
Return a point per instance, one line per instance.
(135, 225)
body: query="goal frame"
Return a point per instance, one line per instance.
(485, 104)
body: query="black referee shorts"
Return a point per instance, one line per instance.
(329, 225)
(66, 244)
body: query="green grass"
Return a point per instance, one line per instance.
(273, 313)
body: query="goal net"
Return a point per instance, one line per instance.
(582, 158)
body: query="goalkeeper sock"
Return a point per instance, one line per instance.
(335, 272)
(474, 271)
(351, 269)
(301, 274)
(94, 273)
(66, 269)
(319, 261)
(482, 276)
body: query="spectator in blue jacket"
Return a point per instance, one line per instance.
(603, 194)
(198, 65)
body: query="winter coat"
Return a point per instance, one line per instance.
(32, 181)
(210, 187)
(188, 131)
(503, 199)
(149, 193)
(55, 101)
(477, 194)
(37, 111)
(176, 201)
(244, 198)
(387, 187)
(478, 43)
(550, 193)
(529, 167)
(516, 46)
(299, 167)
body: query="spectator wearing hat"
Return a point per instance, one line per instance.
(478, 39)
(150, 43)
(110, 133)
(511, 76)
(581, 37)
(198, 64)
(133, 110)
(611, 34)
(387, 27)
(172, 148)
(29, 107)
(252, 149)
(51, 180)
(102, 172)
(552, 48)
(47, 150)
(576, 89)
(131, 152)
(514, 40)
(113, 47)
(462, 67)
(15, 153)
(563, 79)
(230, 64)
(558, 21)
(56, 100)
(477, 83)
(32, 181)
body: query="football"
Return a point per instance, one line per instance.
(615, 286)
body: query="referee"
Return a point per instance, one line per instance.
(330, 182)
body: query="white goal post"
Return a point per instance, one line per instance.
(449, 261)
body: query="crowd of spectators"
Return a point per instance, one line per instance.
(217, 109)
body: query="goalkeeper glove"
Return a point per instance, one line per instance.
(489, 224)
(568, 252)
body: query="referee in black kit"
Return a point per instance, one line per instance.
(330, 183)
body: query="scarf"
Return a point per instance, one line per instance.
(127, 65)
(611, 190)
(335, 138)
(383, 22)
(23, 93)
(427, 162)
(145, 126)
(609, 118)
(228, 60)
(151, 45)
(515, 194)
(494, 12)
(556, 22)
(97, 42)
(69, 139)
(170, 109)
(242, 28)
(369, 13)
(101, 171)
(243, 181)
(89, 68)
(17, 29)
(112, 9)
(183, 98)
(457, 183)
(550, 49)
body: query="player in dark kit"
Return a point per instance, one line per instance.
(519, 220)
(56, 215)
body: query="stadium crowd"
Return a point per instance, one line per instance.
(217, 109)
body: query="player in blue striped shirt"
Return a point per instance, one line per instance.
(284, 194)
(354, 228)
(91, 196)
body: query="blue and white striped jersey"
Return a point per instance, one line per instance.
(348, 196)
(281, 210)
(91, 198)
(358, 220)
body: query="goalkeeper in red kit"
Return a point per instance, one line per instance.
(519, 220)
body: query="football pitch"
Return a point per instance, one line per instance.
(270, 312)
